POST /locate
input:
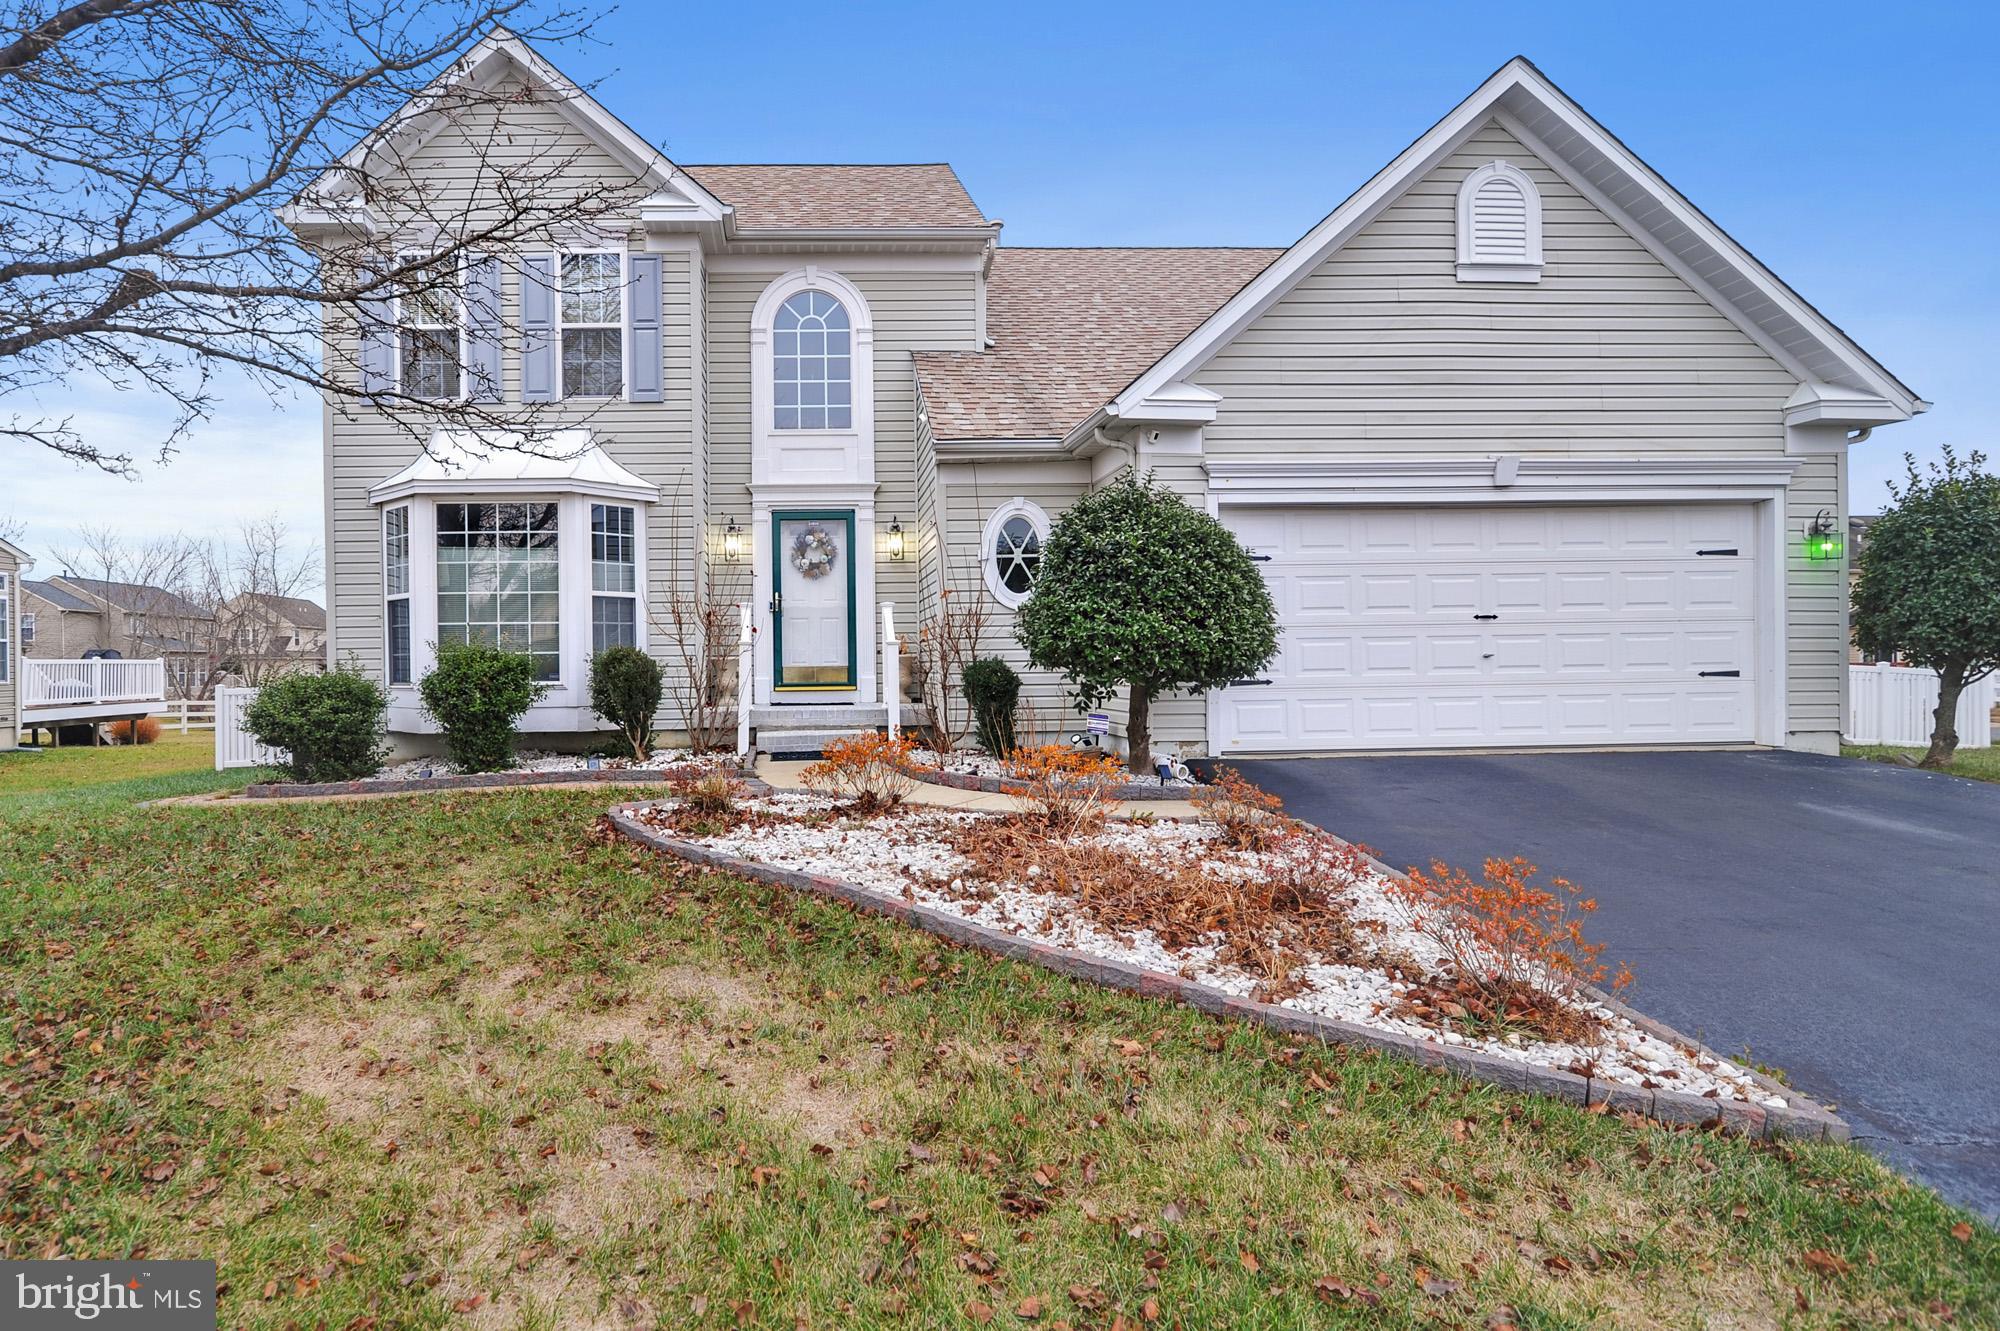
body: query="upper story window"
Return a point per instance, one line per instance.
(27, 629)
(1499, 226)
(812, 364)
(430, 330)
(590, 308)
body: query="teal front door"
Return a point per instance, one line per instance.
(812, 609)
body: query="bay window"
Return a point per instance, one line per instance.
(590, 309)
(396, 590)
(614, 577)
(499, 580)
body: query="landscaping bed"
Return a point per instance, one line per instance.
(531, 769)
(976, 770)
(1302, 932)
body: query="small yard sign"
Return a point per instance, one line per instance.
(1098, 723)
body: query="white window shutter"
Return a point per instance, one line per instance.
(376, 354)
(1499, 226)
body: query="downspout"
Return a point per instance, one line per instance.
(1860, 436)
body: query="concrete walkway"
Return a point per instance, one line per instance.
(785, 776)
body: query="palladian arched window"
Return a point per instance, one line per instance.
(812, 364)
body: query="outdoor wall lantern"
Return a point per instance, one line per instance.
(896, 545)
(1822, 541)
(732, 542)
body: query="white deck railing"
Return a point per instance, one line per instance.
(892, 672)
(51, 683)
(746, 639)
(1890, 704)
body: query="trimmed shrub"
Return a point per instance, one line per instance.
(625, 690)
(331, 724)
(993, 690)
(139, 730)
(1066, 789)
(475, 694)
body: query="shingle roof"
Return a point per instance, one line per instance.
(779, 196)
(139, 598)
(292, 609)
(1070, 328)
(56, 596)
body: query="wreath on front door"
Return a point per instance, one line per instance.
(813, 551)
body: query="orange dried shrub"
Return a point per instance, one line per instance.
(142, 730)
(873, 771)
(1249, 816)
(1066, 789)
(1514, 948)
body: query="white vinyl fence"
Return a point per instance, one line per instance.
(1889, 704)
(185, 714)
(234, 747)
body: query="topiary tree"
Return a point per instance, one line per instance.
(1139, 589)
(476, 693)
(1930, 583)
(992, 689)
(331, 724)
(625, 690)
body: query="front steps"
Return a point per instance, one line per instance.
(803, 730)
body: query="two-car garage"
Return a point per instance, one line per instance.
(1501, 625)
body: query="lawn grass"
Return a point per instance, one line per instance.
(454, 1060)
(54, 770)
(1978, 764)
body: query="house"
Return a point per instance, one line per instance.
(13, 559)
(76, 617)
(264, 635)
(1527, 445)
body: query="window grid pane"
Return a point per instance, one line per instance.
(614, 552)
(1017, 551)
(593, 317)
(430, 328)
(614, 622)
(498, 581)
(399, 640)
(396, 550)
(812, 365)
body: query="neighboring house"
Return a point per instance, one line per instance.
(77, 616)
(266, 635)
(58, 624)
(1526, 444)
(13, 559)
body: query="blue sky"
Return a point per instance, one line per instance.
(1851, 148)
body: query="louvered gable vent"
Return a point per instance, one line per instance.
(1499, 226)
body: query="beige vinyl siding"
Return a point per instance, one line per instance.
(912, 311)
(1816, 606)
(1382, 351)
(926, 527)
(968, 494)
(653, 440)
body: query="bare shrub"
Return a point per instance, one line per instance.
(1249, 817)
(947, 642)
(1515, 954)
(872, 770)
(1065, 788)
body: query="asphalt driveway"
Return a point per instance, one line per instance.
(1839, 918)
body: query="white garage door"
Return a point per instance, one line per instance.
(1500, 626)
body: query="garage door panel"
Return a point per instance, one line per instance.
(1602, 622)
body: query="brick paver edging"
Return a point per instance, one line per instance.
(1804, 1120)
(999, 785)
(623, 776)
